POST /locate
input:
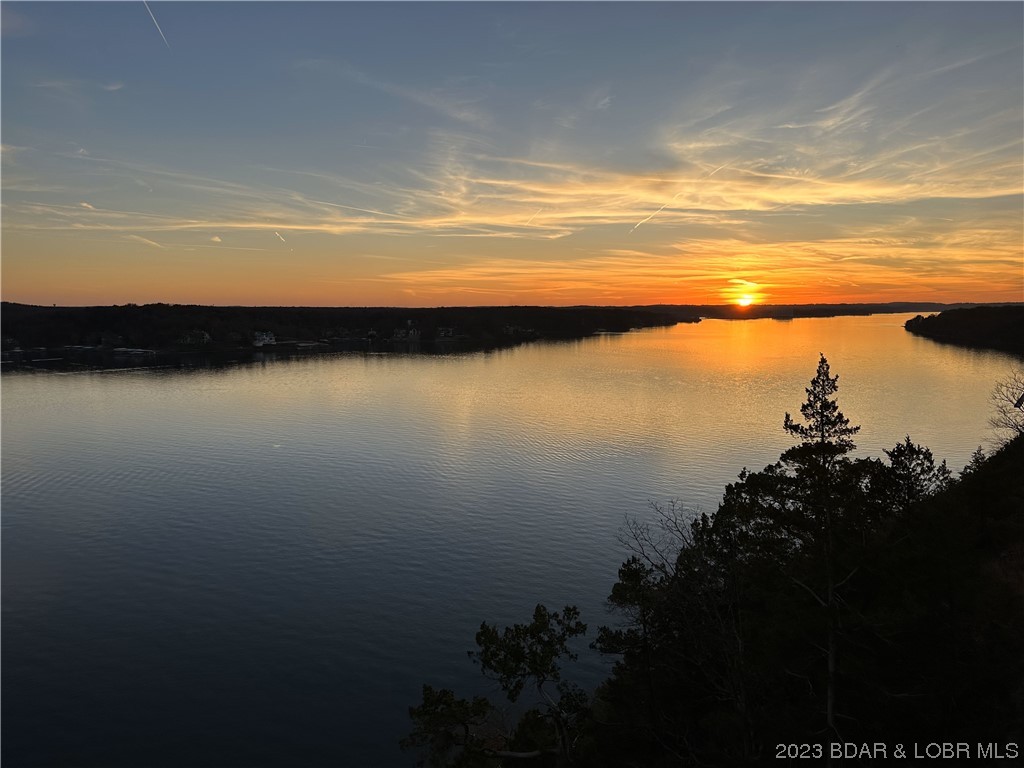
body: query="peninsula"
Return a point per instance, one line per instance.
(994, 327)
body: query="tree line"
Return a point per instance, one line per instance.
(985, 327)
(828, 599)
(162, 326)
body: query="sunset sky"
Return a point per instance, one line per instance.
(424, 154)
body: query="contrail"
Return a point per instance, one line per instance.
(280, 238)
(140, 239)
(715, 171)
(157, 24)
(353, 208)
(534, 216)
(666, 205)
(677, 194)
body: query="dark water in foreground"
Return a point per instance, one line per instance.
(261, 565)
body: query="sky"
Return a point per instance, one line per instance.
(471, 153)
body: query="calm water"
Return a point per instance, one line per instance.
(261, 565)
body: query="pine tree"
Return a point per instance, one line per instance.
(818, 462)
(827, 434)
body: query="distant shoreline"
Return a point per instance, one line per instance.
(174, 335)
(190, 335)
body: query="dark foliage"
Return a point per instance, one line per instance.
(459, 732)
(986, 327)
(159, 326)
(827, 599)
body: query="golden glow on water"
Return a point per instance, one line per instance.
(727, 384)
(717, 389)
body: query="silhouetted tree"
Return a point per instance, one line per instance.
(748, 609)
(827, 598)
(1007, 399)
(977, 459)
(450, 730)
(468, 733)
(913, 475)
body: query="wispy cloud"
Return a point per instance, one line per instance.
(474, 195)
(728, 160)
(723, 270)
(75, 92)
(771, 194)
(688, 158)
(447, 103)
(71, 85)
(54, 85)
(568, 114)
(144, 240)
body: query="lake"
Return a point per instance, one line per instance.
(261, 564)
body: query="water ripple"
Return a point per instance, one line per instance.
(274, 557)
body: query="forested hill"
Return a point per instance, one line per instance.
(163, 326)
(987, 327)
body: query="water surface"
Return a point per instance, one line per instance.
(260, 565)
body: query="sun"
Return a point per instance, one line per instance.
(745, 300)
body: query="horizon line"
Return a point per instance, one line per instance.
(733, 305)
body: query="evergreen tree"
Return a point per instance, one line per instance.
(826, 599)
(465, 733)
(827, 434)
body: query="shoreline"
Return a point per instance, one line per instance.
(190, 336)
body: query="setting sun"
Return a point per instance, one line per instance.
(898, 177)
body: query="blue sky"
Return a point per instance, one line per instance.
(491, 153)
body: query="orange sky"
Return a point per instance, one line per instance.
(660, 153)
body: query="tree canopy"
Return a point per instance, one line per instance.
(827, 599)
